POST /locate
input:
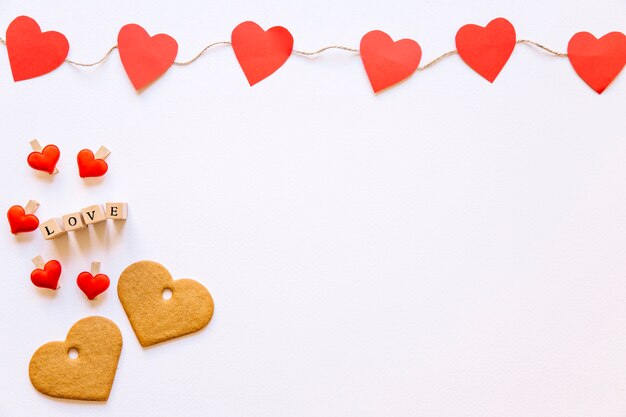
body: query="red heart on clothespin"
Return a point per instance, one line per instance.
(597, 61)
(45, 160)
(486, 49)
(387, 62)
(31, 52)
(260, 53)
(93, 283)
(145, 58)
(91, 166)
(20, 221)
(48, 276)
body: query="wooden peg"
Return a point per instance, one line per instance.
(51, 229)
(116, 211)
(95, 268)
(38, 148)
(39, 262)
(102, 153)
(73, 222)
(31, 207)
(93, 214)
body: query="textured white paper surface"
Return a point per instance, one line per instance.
(447, 248)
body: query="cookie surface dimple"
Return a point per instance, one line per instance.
(90, 375)
(155, 319)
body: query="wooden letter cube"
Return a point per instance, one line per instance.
(73, 221)
(117, 211)
(51, 229)
(93, 214)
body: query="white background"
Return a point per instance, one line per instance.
(446, 248)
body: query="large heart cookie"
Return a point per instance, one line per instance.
(90, 375)
(154, 318)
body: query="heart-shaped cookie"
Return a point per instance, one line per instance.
(155, 319)
(90, 375)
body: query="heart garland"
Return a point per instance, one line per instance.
(260, 53)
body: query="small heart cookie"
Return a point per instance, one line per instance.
(153, 318)
(87, 377)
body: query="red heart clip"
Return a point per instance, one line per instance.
(31, 52)
(21, 222)
(89, 166)
(46, 160)
(48, 277)
(387, 62)
(597, 61)
(145, 58)
(260, 53)
(91, 285)
(486, 49)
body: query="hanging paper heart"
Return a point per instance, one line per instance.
(21, 222)
(89, 166)
(91, 285)
(145, 58)
(597, 61)
(387, 62)
(31, 52)
(46, 160)
(260, 53)
(486, 49)
(48, 277)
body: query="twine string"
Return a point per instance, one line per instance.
(309, 53)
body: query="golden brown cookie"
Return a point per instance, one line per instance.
(86, 377)
(155, 319)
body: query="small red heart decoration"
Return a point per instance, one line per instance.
(260, 53)
(597, 61)
(31, 52)
(387, 62)
(92, 286)
(145, 58)
(486, 49)
(48, 277)
(21, 222)
(46, 160)
(89, 166)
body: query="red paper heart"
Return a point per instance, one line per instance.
(145, 58)
(89, 166)
(387, 62)
(597, 61)
(486, 49)
(46, 160)
(31, 52)
(21, 222)
(260, 53)
(92, 286)
(48, 277)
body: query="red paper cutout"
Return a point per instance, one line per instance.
(31, 52)
(48, 277)
(92, 286)
(260, 53)
(46, 160)
(21, 222)
(387, 62)
(486, 49)
(597, 61)
(145, 58)
(89, 166)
